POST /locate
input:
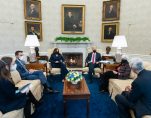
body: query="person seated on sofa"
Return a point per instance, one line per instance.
(31, 74)
(57, 61)
(92, 61)
(122, 72)
(138, 96)
(10, 99)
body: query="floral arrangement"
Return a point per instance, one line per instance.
(74, 77)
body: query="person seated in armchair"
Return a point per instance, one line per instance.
(31, 74)
(138, 96)
(122, 72)
(10, 99)
(57, 61)
(92, 61)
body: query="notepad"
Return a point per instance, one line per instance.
(24, 89)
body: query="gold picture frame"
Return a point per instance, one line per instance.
(32, 9)
(33, 28)
(111, 10)
(109, 30)
(73, 19)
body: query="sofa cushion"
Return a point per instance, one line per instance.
(34, 83)
(55, 70)
(15, 76)
(96, 70)
(14, 114)
(121, 84)
(1, 114)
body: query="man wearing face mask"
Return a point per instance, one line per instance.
(92, 61)
(122, 72)
(31, 74)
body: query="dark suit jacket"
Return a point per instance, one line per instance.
(33, 14)
(9, 100)
(22, 69)
(55, 58)
(109, 35)
(97, 58)
(140, 96)
(34, 33)
(111, 14)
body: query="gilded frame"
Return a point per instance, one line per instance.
(36, 14)
(109, 30)
(76, 23)
(111, 10)
(37, 27)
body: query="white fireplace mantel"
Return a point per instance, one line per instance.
(73, 47)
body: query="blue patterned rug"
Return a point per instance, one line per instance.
(101, 105)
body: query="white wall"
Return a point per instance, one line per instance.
(134, 23)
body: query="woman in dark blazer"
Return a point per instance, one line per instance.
(122, 72)
(57, 61)
(10, 99)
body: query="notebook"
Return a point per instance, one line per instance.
(24, 89)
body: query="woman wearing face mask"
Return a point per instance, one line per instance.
(57, 61)
(122, 72)
(10, 99)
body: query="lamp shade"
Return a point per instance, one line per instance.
(32, 41)
(119, 41)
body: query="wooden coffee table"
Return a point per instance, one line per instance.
(71, 92)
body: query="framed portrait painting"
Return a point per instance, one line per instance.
(32, 9)
(73, 19)
(33, 28)
(111, 10)
(109, 30)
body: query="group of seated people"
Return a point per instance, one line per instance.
(137, 97)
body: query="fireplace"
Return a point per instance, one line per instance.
(73, 60)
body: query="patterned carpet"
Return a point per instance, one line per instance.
(101, 105)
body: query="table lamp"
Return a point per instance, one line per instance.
(119, 42)
(32, 42)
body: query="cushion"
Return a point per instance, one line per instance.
(34, 83)
(55, 71)
(36, 88)
(147, 116)
(16, 76)
(121, 84)
(14, 114)
(1, 114)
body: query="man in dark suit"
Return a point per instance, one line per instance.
(110, 12)
(137, 97)
(32, 12)
(32, 32)
(31, 74)
(70, 24)
(92, 61)
(109, 34)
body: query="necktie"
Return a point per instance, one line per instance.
(93, 58)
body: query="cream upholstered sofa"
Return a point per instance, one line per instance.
(116, 86)
(36, 90)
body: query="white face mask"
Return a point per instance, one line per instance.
(13, 67)
(21, 58)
